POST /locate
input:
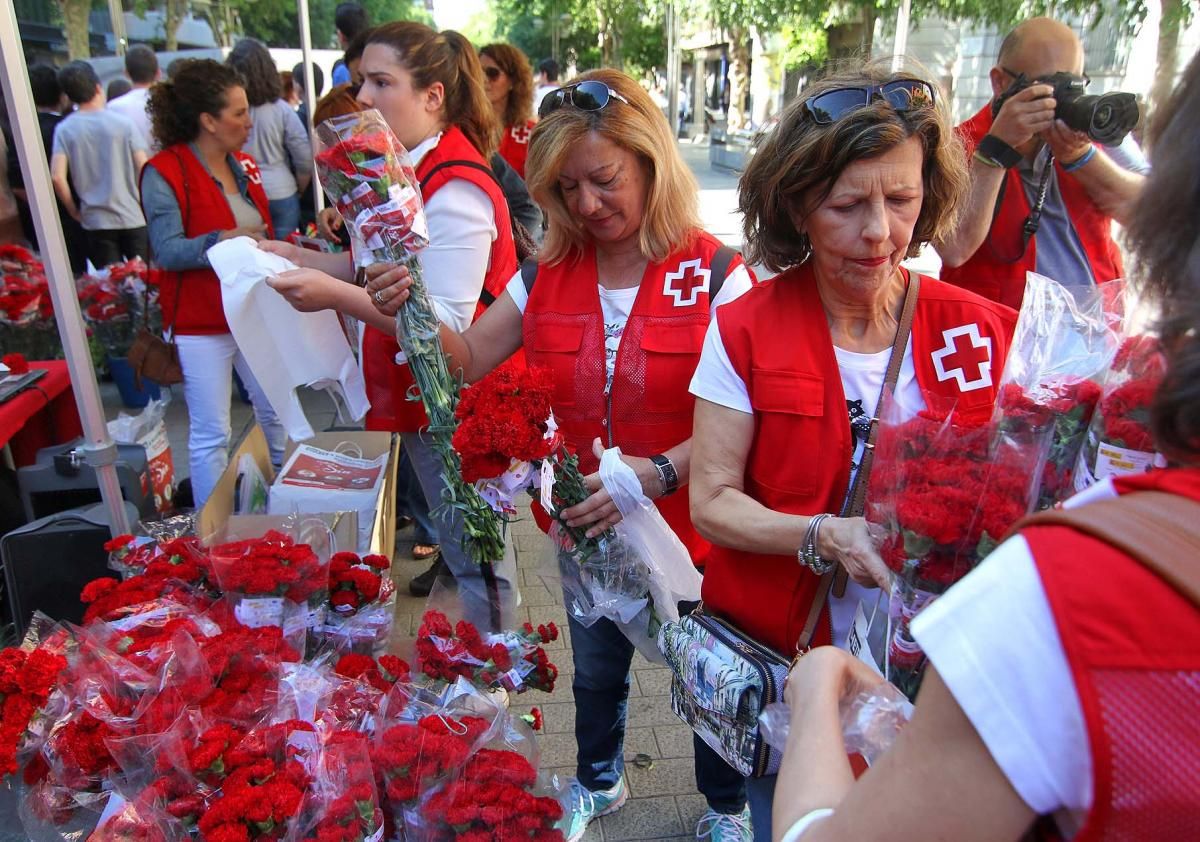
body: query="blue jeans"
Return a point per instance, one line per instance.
(601, 689)
(761, 793)
(410, 500)
(285, 215)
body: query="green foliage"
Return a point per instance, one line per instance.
(804, 45)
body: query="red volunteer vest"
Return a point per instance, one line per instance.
(514, 145)
(1133, 644)
(778, 341)
(389, 383)
(986, 272)
(650, 408)
(204, 209)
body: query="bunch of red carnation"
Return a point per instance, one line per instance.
(1062, 410)
(148, 644)
(513, 660)
(24, 292)
(348, 810)
(503, 418)
(273, 565)
(382, 674)
(410, 758)
(110, 599)
(26, 680)
(244, 665)
(1120, 439)
(492, 801)
(355, 581)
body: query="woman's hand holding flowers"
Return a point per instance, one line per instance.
(854, 544)
(387, 284)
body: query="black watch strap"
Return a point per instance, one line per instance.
(993, 147)
(666, 473)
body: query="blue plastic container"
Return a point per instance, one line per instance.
(131, 395)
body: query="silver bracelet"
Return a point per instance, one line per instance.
(807, 555)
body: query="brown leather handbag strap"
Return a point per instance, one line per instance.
(856, 500)
(1160, 530)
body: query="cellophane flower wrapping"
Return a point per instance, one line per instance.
(29, 676)
(279, 579)
(1119, 440)
(423, 741)
(369, 178)
(115, 302)
(498, 794)
(362, 603)
(1061, 348)
(946, 488)
(342, 803)
(27, 323)
(515, 660)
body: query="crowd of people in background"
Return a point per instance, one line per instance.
(564, 225)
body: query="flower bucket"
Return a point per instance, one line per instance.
(131, 395)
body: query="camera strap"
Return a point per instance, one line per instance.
(1030, 226)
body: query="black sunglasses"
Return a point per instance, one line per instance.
(586, 96)
(901, 94)
(492, 73)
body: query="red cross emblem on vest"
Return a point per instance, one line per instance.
(521, 134)
(965, 358)
(253, 174)
(686, 283)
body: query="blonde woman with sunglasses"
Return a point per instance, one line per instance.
(616, 307)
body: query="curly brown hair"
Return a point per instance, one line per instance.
(253, 60)
(519, 109)
(798, 163)
(1166, 242)
(199, 86)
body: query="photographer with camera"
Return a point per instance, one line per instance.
(1051, 167)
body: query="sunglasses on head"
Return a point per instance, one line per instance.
(492, 73)
(586, 96)
(901, 94)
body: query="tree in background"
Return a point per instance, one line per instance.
(75, 22)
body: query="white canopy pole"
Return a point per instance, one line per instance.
(98, 449)
(310, 93)
(901, 43)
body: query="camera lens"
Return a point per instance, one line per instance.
(1112, 117)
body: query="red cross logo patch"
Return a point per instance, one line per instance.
(253, 174)
(521, 134)
(686, 283)
(966, 358)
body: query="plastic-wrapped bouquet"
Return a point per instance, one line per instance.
(368, 177)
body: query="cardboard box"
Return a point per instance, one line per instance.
(219, 507)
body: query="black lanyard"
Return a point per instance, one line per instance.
(1030, 226)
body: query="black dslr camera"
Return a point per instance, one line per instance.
(1105, 118)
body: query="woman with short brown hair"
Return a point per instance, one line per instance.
(862, 169)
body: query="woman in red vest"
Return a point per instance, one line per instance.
(510, 91)
(1065, 672)
(429, 88)
(199, 189)
(623, 291)
(863, 169)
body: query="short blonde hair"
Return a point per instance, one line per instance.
(802, 158)
(672, 214)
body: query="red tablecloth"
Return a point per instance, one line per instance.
(42, 415)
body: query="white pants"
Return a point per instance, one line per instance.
(208, 363)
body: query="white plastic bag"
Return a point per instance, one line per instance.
(284, 347)
(672, 576)
(870, 721)
(149, 429)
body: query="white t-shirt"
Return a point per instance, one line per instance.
(994, 642)
(617, 304)
(462, 228)
(133, 106)
(862, 376)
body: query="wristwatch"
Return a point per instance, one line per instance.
(997, 150)
(666, 473)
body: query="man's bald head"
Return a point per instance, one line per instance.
(1041, 47)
